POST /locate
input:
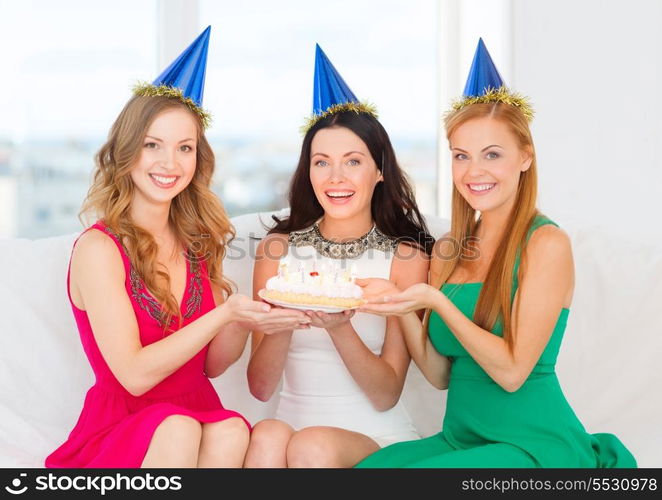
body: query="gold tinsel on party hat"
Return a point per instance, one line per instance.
(502, 94)
(356, 107)
(145, 89)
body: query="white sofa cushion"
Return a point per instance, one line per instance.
(608, 365)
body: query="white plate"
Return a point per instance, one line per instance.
(304, 307)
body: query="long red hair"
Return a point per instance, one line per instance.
(495, 300)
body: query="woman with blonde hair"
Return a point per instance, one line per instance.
(155, 314)
(496, 311)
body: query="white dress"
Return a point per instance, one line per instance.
(318, 389)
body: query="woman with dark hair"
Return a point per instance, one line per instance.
(393, 204)
(342, 376)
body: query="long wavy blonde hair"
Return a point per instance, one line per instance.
(197, 216)
(495, 300)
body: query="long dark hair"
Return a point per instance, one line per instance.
(393, 205)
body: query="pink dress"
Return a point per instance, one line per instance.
(115, 428)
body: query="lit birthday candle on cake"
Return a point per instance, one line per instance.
(323, 272)
(282, 266)
(320, 282)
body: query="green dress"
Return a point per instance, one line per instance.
(487, 426)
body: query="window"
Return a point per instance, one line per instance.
(259, 86)
(68, 67)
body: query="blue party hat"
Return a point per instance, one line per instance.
(329, 88)
(331, 94)
(485, 85)
(483, 74)
(184, 78)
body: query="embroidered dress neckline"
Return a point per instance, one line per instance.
(191, 299)
(186, 286)
(373, 239)
(365, 236)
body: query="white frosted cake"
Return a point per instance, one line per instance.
(321, 285)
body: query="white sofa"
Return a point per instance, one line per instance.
(608, 364)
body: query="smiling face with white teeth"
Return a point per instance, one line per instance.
(167, 159)
(343, 175)
(487, 164)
